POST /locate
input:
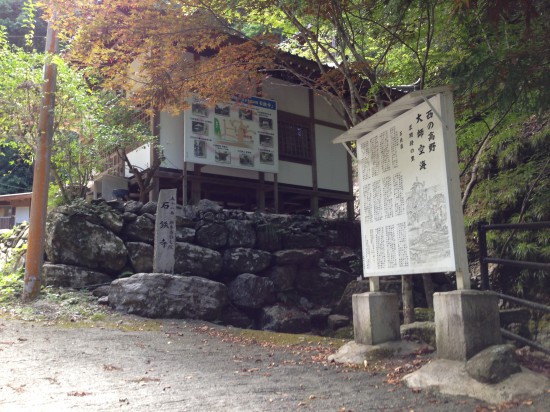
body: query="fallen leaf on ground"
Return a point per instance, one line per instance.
(111, 368)
(18, 389)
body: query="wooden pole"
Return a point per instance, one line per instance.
(407, 292)
(41, 179)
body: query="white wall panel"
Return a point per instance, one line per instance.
(171, 140)
(289, 97)
(332, 166)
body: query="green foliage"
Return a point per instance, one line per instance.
(15, 171)
(505, 58)
(515, 188)
(23, 23)
(11, 285)
(20, 102)
(88, 125)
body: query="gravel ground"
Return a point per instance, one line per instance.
(195, 366)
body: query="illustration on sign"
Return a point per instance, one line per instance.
(428, 231)
(241, 134)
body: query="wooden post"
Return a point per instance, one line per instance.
(261, 193)
(41, 178)
(374, 284)
(276, 193)
(185, 184)
(407, 292)
(196, 187)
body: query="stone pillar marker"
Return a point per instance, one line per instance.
(165, 232)
(466, 322)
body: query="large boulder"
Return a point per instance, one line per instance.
(339, 254)
(72, 240)
(344, 305)
(140, 230)
(212, 235)
(241, 233)
(193, 260)
(249, 291)
(324, 285)
(75, 277)
(149, 207)
(133, 206)
(185, 234)
(141, 256)
(159, 295)
(268, 237)
(494, 364)
(419, 331)
(280, 318)
(301, 257)
(300, 239)
(245, 260)
(232, 316)
(97, 213)
(283, 277)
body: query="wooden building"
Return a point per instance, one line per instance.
(14, 209)
(308, 171)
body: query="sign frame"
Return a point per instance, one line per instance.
(439, 102)
(241, 134)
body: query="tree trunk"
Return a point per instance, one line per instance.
(407, 292)
(428, 289)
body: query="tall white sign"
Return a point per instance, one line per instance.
(241, 134)
(408, 188)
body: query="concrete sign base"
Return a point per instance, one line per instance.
(466, 322)
(375, 317)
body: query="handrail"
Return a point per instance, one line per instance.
(528, 303)
(484, 261)
(509, 335)
(521, 226)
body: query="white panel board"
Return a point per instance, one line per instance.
(407, 194)
(140, 158)
(332, 160)
(295, 174)
(22, 214)
(171, 140)
(241, 134)
(326, 112)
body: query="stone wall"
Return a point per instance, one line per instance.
(13, 247)
(277, 272)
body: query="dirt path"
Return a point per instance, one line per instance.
(187, 366)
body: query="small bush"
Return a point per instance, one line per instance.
(11, 285)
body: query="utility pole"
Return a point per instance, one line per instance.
(41, 179)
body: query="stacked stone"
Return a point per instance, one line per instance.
(13, 248)
(277, 272)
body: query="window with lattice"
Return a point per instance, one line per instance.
(294, 141)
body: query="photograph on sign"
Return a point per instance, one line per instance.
(404, 190)
(240, 134)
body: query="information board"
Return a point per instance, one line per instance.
(404, 189)
(241, 134)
